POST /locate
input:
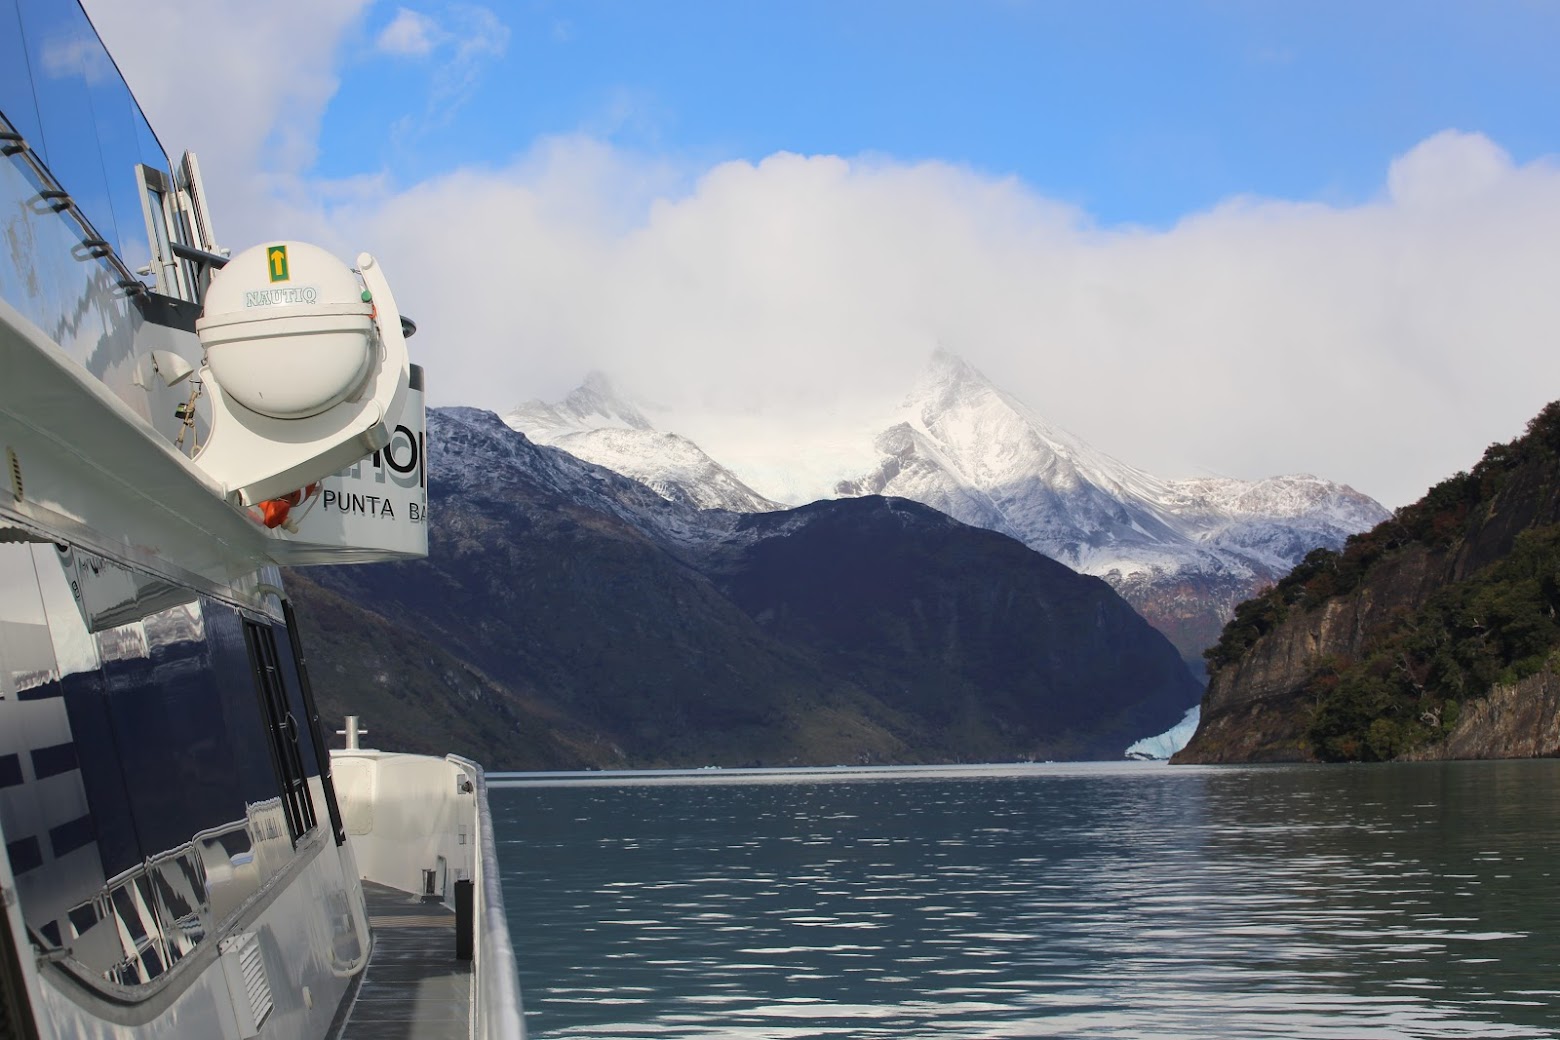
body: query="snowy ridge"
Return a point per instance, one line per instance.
(476, 454)
(595, 424)
(560, 561)
(1183, 552)
(967, 448)
(591, 406)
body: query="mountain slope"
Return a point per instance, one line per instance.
(961, 627)
(659, 634)
(420, 698)
(1183, 552)
(1405, 640)
(595, 424)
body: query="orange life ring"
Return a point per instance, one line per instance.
(273, 511)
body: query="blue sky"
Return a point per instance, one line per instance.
(1135, 112)
(1239, 238)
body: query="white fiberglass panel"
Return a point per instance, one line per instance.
(376, 506)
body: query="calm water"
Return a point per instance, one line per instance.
(1058, 901)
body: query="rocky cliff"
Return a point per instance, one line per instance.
(1521, 720)
(1428, 635)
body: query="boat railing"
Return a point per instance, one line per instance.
(497, 1012)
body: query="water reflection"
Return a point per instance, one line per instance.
(1405, 901)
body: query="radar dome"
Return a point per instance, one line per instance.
(288, 330)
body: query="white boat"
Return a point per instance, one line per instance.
(183, 855)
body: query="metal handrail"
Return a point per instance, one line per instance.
(497, 1014)
(53, 193)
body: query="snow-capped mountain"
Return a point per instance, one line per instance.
(595, 424)
(1183, 552)
(568, 615)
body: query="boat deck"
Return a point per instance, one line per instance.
(413, 985)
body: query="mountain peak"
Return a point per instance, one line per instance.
(949, 369)
(597, 382)
(593, 405)
(1183, 551)
(595, 424)
(599, 406)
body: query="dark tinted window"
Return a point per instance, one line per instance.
(64, 95)
(140, 803)
(188, 721)
(295, 701)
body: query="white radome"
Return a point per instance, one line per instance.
(293, 346)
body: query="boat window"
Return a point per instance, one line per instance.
(155, 193)
(115, 117)
(139, 803)
(293, 687)
(300, 673)
(63, 55)
(17, 99)
(69, 189)
(62, 91)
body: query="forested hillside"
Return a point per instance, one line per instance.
(1377, 651)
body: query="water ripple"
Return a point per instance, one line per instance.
(1142, 902)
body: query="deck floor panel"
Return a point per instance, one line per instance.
(413, 985)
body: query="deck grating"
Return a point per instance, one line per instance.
(413, 985)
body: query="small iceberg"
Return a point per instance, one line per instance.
(1157, 749)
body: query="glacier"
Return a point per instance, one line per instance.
(1159, 748)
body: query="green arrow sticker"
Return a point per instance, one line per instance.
(276, 261)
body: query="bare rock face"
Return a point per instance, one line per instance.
(1517, 721)
(1257, 709)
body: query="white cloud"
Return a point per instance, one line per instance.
(1448, 168)
(480, 39)
(474, 39)
(409, 34)
(246, 92)
(773, 309)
